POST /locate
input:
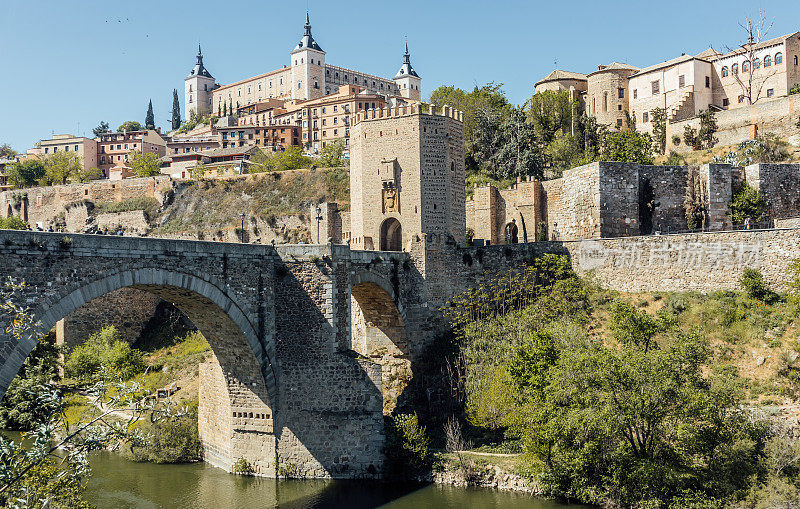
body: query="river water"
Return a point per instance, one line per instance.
(121, 484)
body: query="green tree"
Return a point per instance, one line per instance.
(746, 203)
(176, 111)
(708, 126)
(6, 152)
(18, 410)
(658, 117)
(290, 159)
(59, 167)
(332, 155)
(88, 175)
(26, 173)
(198, 170)
(407, 446)
(104, 353)
(100, 129)
(146, 164)
(12, 223)
(150, 118)
(629, 147)
(518, 153)
(690, 137)
(260, 162)
(130, 125)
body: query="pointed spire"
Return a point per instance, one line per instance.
(308, 25)
(406, 69)
(307, 41)
(199, 69)
(200, 51)
(407, 56)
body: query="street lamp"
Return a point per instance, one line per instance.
(241, 216)
(319, 219)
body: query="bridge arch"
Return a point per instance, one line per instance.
(241, 387)
(378, 332)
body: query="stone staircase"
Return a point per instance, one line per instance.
(684, 108)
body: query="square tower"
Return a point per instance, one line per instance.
(308, 67)
(197, 89)
(407, 80)
(406, 177)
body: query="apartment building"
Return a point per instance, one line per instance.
(85, 148)
(114, 149)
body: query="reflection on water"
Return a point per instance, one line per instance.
(121, 484)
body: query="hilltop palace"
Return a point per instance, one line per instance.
(309, 93)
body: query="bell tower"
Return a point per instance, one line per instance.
(407, 79)
(197, 88)
(308, 67)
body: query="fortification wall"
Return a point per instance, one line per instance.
(779, 184)
(573, 203)
(668, 184)
(44, 204)
(741, 124)
(702, 262)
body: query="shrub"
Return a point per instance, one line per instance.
(407, 446)
(169, 441)
(104, 349)
(747, 202)
(242, 467)
(13, 223)
(752, 282)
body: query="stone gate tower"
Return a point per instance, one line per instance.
(406, 177)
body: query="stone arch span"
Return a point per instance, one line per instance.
(238, 393)
(378, 332)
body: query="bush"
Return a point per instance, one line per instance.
(13, 223)
(169, 441)
(747, 202)
(242, 467)
(104, 350)
(20, 409)
(753, 284)
(407, 446)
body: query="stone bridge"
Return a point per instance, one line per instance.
(300, 334)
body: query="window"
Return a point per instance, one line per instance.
(741, 99)
(619, 122)
(778, 58)
(635, 93)
(725, 102)
(621, 93)
(756, 63)
(795, 60)
(190, 99)
(619, 107)
(605, 101)
(190, 88)
(767, 61)
(76, 148)
(745, 66)
(725, 71)
(644, 117)
(770, 92)
(708, 82)
(735, 68)
(681, 81)
(655, 87)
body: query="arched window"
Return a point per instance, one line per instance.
(605, 102)
(725, 71)
(767, 61)
(735, 68)
(756, 63)
(778, 58)
(190, 99)
(745, 66)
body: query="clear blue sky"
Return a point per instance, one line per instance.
(74, 63)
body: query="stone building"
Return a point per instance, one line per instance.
(114, 150)
(197, 88)
(406, 177)
(607, 94)
(685, 85)
(611, 199)
(308, 76)
(86, 148)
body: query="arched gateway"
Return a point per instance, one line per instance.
(284, 391)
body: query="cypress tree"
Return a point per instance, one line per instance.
(150, 119)
(176, 110)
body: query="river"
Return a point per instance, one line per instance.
(121, 484)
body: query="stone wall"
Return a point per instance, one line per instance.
(668, 184)
(740, 124)
(779, 184)
(44, 204)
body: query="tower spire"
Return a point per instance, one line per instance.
(406, 55)
(308, 24)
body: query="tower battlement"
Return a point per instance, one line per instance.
(408, 110)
